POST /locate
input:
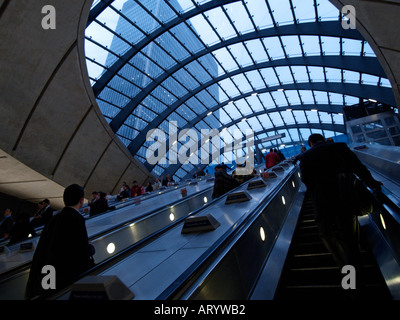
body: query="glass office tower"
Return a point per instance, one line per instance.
(149, 63)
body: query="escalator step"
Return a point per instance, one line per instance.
(307, 260)
(310, 271)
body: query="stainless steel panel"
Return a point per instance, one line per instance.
(249, 253)
(197, 245)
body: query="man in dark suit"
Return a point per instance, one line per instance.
(46, 213)
(64, 245)
(6, 224)
(223, 182)
(338, 226)
(100, 205)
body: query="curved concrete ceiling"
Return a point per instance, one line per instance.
(377, 21)
(53, 133)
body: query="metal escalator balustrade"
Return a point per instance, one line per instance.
(170, 256)
(111, 237)
(230, 268)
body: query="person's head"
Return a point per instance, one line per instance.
(73, 195)
(218, 168)
(134, 183)
(46, 202)
(8, 212)
(303, 149)
(315, 138)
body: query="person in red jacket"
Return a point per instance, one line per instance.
(136, 190)
(271, 159)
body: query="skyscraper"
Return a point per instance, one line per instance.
(152, 59)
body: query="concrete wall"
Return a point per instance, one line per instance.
(378, 22)
(50, 122)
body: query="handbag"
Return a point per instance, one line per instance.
(354, 195)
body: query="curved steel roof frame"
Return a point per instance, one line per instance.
(319, 126)
(370, 66)
(142, 23)
(320, 29)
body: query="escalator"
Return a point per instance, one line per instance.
(310, 272)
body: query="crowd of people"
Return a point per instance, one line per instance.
(320, 166)
(136, 190)
(18, 226)
(273, 158)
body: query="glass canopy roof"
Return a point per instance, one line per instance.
(276, 67)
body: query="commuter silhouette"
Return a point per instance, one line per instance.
(64, 245)
(223, 182)
(271, 159)
(321, 167)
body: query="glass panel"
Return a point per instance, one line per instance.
(330, 45)
(242, 83)
(257, 50)
(300, 73)
(311, 45)
(280, 99)
(204, 30)
(269, 77)
(293, 97)
(369, 79)
(325, 117)
(259, 13)
(375, 135)
(281, 11)
(243, 107)
(303, 10)
(373, 125)
(221, 23)
(321, 97)
(394, 131)
(255, 79)
(185, 35)
(285, 76)
(274, 47)
(351, 47)
(333, 75)
(351, 76)
(327, 11)
(316, 74)
(292, 46)
(229, 88)
(240, 54)
(239, 16)
(225, 59)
